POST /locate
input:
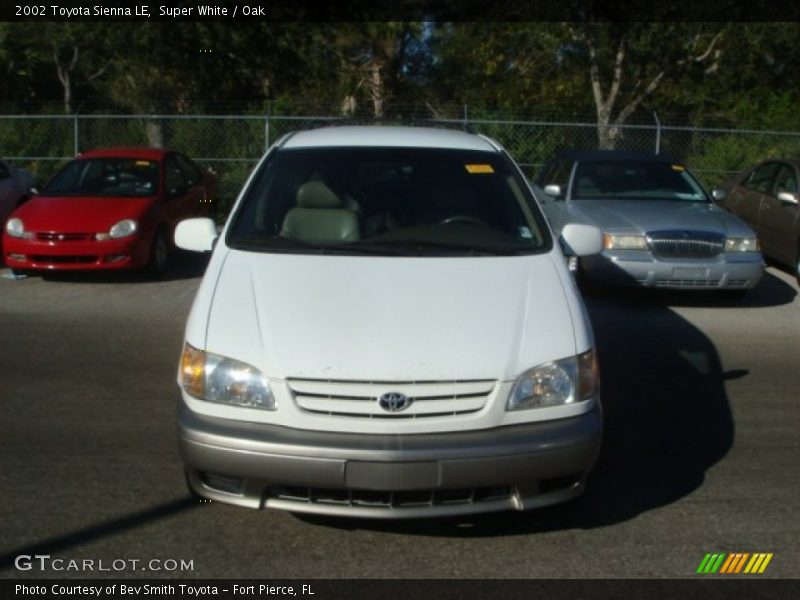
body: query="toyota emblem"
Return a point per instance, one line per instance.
(394, 401)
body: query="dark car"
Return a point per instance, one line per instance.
(766, 198)
(15, 188)
(660, 228)
(108, 209)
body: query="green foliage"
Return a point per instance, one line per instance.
(513, 71)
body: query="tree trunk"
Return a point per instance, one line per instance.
(376, 90)
(606, 132)
(67, 82)
(155, 130)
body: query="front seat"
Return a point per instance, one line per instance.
(319, 217)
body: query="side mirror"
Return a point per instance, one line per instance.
(788, 198)
(197, 235)
(554, 190)
(719, 194)
(582, 240)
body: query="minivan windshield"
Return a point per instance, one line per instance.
(635, 180)
(388, 201)
(108, 177)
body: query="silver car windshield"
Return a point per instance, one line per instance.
(635, 180)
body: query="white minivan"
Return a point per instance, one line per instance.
(388, 328)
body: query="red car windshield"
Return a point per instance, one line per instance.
(105, 177)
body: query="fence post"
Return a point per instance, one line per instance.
(75, 134)
(658, 133)
(266, 127)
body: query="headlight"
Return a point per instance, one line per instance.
(122, 229)
(624, 242)
(216, 378)
(16, 229)
(565, 381)
(747, 244)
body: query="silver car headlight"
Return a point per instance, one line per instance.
(216, 378)
(624, 242)
(16, 229)
(122, 229)
(744, 244)
(556, 383)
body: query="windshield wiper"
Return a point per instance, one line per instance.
(414, 247)
(279, 244)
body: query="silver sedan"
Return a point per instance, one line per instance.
(660, 227)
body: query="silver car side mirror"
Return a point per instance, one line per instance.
(719, 194)
(788, 198)
(554, 190)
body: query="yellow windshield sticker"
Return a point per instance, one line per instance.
(678, 168)
(143, 163)
(479, 169)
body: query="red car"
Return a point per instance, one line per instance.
(108, 209)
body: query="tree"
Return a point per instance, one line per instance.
(628, 62)
(373, 61)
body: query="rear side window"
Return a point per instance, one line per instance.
(786, 180)
(760, 180)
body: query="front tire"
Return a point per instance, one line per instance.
(158, 264)
(797, 265)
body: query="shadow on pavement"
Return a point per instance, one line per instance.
(94, 532)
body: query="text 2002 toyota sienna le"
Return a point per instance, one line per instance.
(387, 327)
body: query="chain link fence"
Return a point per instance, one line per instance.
(232, 145)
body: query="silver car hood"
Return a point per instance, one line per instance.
(654, 215)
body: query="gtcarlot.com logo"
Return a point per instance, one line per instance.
(734, 563)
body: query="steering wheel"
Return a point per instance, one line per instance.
(462, 219)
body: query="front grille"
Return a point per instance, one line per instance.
(360, 398)
(686, 244)
(689, 283)
(389, 499)
(694, 283)
(62, 260)
(51, 236)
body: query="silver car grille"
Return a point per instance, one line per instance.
(361, 398)
(685, 244)
(390, 499)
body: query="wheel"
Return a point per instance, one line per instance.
(20, 272)
(462, 219)
(585, 284)
(797, 265)
(192, 492)
(159, 255)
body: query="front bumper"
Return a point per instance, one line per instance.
(637, 268)
(71, 255)
(389, 476)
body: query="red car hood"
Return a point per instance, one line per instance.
(78, 214)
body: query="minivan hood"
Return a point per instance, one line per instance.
(653, 215)
(390, 318)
